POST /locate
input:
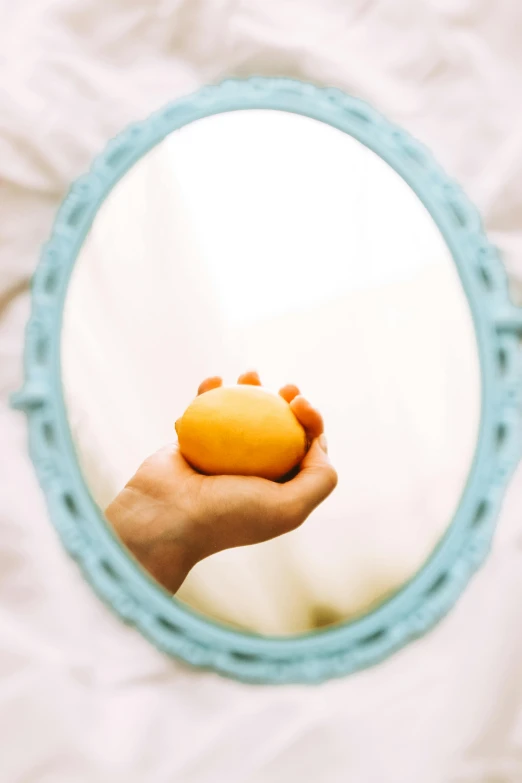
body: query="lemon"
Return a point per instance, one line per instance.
(241, 430)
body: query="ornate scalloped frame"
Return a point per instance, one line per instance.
(116, 578)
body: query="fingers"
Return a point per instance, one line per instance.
(289, 392)
(210, 383)
(310, 418)
(315, 481)
(249, 379)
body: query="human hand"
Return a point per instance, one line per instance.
(170, 516)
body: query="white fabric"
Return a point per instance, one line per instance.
(82, 697)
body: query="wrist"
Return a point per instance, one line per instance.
(157, 543)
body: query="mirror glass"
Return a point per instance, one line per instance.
(267, 240)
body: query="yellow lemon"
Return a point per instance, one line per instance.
(241, 430)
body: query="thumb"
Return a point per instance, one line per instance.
(315, 481)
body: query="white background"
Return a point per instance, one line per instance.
(84, 699)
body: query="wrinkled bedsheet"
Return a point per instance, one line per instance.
(83, 698)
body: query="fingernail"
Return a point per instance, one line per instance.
(323, 443)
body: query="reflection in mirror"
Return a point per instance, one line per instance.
(266, 240)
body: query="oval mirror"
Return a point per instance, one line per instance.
(271, 226)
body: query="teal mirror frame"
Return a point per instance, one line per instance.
(173, 628)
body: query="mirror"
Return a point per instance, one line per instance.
(269, 240)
